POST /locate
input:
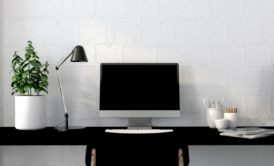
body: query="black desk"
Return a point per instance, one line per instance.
(95, 137)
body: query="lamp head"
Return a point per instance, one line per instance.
(78, 55)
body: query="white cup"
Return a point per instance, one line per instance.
(232, 119)
(221, 123)
(212, 114)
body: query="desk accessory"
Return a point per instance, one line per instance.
(212, 114)
(30, 82)
(231, 115)
(221, 123)
(213, 103)
(77, 55)
(214, 110)
(248, 132)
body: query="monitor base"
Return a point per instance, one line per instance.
(139, 123)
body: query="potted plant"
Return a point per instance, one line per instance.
(29, 85)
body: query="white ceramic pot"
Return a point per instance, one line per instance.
(212, 114)
(221, 123)
(30, 112)
(232, 119)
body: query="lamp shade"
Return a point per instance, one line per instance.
(78, 55)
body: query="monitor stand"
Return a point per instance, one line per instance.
(135, 123)
(139, 126)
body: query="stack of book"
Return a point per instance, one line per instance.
(248, 132)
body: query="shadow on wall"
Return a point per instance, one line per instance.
(1, 60)
(79, 90)
(192, 95)
(193, 112)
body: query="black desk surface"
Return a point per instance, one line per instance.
(97, 136)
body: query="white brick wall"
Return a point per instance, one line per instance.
(108, 8)
(227, 55)
(252, 52)
(226, 8)
(95, 31)
(265, 30)
(139, 53)
(127, 31)
(109, 53)
(190, 32)
(224, 47)
(150, 9)
(216, 32)
(157, 32)
(257, 8)
(242, 31)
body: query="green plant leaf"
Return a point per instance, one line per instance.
(45, 84)
(27, 87)
(35, 63)
(13, 83)
(29, 81)
(29, 74)
(44, 90)
(44, 77)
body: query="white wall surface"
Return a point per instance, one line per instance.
(1, 60)
(224, 48)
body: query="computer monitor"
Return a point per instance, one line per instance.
(139, 90)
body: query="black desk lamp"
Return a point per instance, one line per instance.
(77, 55)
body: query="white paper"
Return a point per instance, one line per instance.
(249, 133)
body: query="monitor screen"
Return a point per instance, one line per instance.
(139, 86)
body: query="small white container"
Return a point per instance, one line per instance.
(232, 119)
(212, 114)
(221, 123)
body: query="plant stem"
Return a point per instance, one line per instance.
(29, 78)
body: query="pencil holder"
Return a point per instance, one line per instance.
(232, 117)
(212, 114)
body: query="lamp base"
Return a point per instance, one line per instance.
(67, 127)
(64, 128)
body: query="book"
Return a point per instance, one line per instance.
(248, 132)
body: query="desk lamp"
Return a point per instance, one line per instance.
(77, 55)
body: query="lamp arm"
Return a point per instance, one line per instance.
(59, 81)
(63, 99)
(61, 90)
(59, 64)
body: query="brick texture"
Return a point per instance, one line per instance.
(224, 48)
